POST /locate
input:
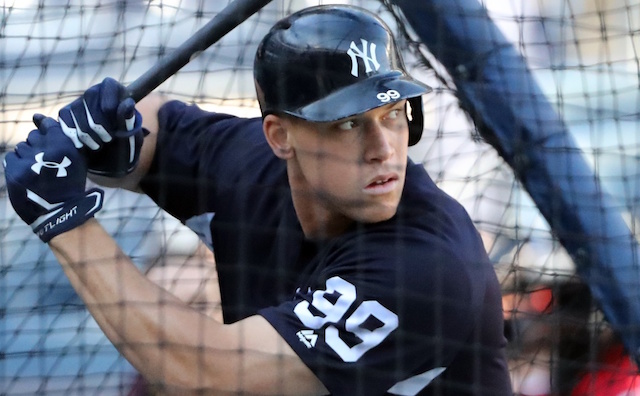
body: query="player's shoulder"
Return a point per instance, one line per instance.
(414, 254)
(422, 195)
(430, 212)
(175, 115)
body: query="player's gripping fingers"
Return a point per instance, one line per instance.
(44, 123)
(129, 120)
(92, 120)
(35, 139)
(75, 123)
(122, 118)
(24, 149)
(37, 120)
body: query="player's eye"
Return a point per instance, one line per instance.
(348, 125)
(393, 114)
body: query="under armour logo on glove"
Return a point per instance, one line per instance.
(40, 162)
(49, 194)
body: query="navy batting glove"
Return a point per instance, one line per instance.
(106, 126)
(46, 178)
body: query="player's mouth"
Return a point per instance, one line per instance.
(382, 184)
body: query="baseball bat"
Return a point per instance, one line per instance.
(226, 20)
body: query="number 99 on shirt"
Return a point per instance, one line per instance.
(334, 312)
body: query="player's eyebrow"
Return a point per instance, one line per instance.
(387, 106)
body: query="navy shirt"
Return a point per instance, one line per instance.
(406, 306)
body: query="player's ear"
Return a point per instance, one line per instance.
(275, 130)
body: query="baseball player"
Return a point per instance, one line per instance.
(343, 269)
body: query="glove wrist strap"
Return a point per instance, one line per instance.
(69, 215)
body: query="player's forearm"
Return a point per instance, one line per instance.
(169, 343)
(156, 332)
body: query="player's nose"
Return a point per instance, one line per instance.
(378, 142)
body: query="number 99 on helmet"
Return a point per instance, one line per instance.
(330, 62)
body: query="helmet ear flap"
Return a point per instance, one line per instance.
(416, 121)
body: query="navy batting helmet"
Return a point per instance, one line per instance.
(330, 62)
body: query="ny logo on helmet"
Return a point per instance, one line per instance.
(61, 167)
(367, 54)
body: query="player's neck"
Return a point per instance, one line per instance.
(318, 222)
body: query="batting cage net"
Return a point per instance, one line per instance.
(581, 57)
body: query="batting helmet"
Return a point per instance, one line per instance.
(330, 62)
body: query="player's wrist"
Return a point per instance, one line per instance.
(80, 232)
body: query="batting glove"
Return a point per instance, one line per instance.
(105, 125)
(46, 178)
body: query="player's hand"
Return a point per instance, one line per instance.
(105, 125)
(46, 177)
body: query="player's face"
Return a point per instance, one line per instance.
(355, 167)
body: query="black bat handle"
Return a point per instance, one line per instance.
(225, 21)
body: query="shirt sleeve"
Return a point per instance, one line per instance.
(199, 154)
(378, 315)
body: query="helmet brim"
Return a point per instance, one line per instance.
(359, 98)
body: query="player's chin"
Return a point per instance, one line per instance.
(378, 212)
